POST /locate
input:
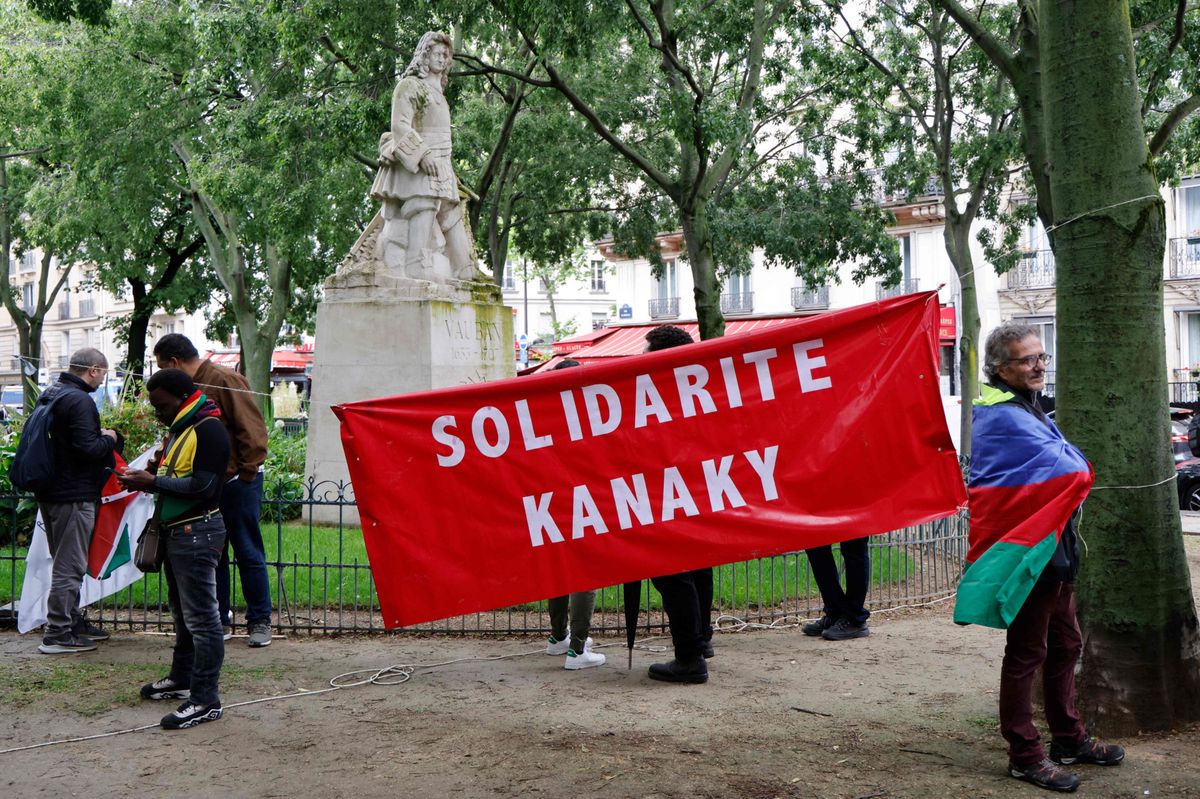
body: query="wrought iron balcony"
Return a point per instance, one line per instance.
(804, 298)
(664, 308)
(905, 287)
(1035, 270)
(1185, 257)
(734, 304)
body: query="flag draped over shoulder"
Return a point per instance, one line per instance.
(1026, 481)
(119, 522)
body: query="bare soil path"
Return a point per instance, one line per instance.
(908, 712)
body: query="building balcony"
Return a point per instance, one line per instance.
(734, 304)
(87, 307)
(806, 299)
(905, 287)
(1035, 270)
(664, 308)
(1185, 257)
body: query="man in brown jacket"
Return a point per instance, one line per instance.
(241, 499)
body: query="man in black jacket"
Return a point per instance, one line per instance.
(82, 455)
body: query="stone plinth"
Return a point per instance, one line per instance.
(379, 335)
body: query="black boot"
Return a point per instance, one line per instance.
(693, 671)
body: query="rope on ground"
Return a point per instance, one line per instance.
(400, 673)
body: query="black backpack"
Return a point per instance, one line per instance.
(32, 467)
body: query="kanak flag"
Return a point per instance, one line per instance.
(1026, 482)
(766, 442)
(119, 521)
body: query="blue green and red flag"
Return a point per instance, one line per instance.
(1026, 481)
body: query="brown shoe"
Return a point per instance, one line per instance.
(1045, 774)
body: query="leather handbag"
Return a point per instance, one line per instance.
(151, 547)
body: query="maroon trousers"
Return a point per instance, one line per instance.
(1045, 633)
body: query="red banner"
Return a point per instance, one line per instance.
(804, 433)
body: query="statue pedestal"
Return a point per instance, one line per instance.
(380, 335)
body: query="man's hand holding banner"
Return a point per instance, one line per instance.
(800, 434)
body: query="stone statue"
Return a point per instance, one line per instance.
(424, 233)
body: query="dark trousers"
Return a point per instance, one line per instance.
(1044, 634)
(687, 598)
(69, 527)
(191, 565)
(850, 603)
(241, 506)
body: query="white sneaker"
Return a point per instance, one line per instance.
(585, 660)
(556, 647)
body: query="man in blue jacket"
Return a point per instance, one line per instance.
(83, 454)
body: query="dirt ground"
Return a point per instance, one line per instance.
(908, 712)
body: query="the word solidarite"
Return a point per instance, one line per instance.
(491, 427)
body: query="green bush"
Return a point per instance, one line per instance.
(283, 478)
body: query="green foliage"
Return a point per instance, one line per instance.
(93, 12)
(283, 478)
(133, 416)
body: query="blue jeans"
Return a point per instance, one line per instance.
(839, 604)
(241, 504)
(191, 564)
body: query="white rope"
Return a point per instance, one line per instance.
(1134, 488)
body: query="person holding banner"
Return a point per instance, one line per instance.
(82, 454)
(192, 474)
(687, 597)
(845, 614)
(574, 643)
(1026, 485)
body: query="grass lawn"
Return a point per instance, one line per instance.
(308, 561)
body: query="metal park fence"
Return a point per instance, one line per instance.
(321, 581)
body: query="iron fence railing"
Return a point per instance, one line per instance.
(1034, 270)
(804, 298)
(883, 292)
(1185, 257)
(321, 580)
(739, 303)
(664, 308)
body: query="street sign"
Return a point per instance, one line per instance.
(625, 312)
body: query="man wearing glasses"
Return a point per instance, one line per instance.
(1044, 633)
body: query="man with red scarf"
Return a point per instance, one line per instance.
(190, 476)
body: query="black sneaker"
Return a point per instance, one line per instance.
(695, 671)
(815, 628)
(844, 630)
(1089, 751)
(166, 688)
(707, 650)
(89, 630)
(1045, 774)
(65, 644)
(189, 715)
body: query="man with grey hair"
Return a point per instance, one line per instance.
(1012, 442)
(83, 456)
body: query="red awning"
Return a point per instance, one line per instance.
(280, 359)
(582, 340)
(631, 340)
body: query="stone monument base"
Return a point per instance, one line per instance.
(379, 335)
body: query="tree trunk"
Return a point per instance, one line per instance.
(1141, 659)
(256, 363)
(697, 237)
(139, 324)
(957, 234)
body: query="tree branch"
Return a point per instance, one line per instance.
(1174, 118)
(992, 47)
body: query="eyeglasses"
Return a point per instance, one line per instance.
(1030, 360)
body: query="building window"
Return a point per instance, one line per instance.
(598, 284)
(508, 281)
(1189, 212)
(66, 349)
(1189, 340)
(665, 286)
(27, 297)
(599, 320)
(29, 261)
